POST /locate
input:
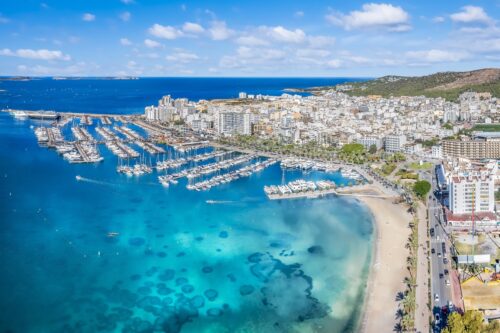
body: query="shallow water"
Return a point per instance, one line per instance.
(240, 264)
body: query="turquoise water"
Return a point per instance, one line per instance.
(241, 264)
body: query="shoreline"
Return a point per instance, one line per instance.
(387, 265)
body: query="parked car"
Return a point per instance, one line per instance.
(445, 261)
(433, 251)
(441, 275)
(446, 272)
(447, 282)
(436, 298)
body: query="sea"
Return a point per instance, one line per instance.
(114, 253)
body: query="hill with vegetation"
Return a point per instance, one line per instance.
(448, 85)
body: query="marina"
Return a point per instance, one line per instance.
(231, 176)
(175, 163)
(300, 189)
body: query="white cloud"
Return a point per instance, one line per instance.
(264, 54)
(125, 16)
(88, 17)
(320, 41)
(251, 41)
(438, 19)
(373, 15)
(281, 34)
(182, 57)
(80, 68)
(125, 42)
(151, 43)
(471, 14)
(220, 31)
(164, 31)
(435, 55)
(299, 13)
(127, 2)
(191, 27)
(312, 53)
(41, 54)
(334, 63)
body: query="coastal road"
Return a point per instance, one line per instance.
(440, 271)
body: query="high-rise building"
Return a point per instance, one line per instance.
(394, 143)
(470, 194)
(232, 122)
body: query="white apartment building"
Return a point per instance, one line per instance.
(394, 143)
(368, 141)
(471, 193)
(231, 122)
(437, 152)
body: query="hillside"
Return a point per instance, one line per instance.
(448, 85)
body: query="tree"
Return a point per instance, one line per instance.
(454, 324)
(421, 188)
(373, 149)
(470, 322)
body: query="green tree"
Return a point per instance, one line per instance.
(454, 324)
(421, 188)
(373, 149)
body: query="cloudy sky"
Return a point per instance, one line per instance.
(247, 38)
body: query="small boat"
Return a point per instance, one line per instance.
(112, 234)
(78, 177)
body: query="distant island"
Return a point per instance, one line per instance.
(448, 85)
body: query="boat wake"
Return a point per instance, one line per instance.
(215, 202)
(88, 180)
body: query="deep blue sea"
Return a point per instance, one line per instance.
(223, 260)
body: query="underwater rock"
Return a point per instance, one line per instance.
(197, 301)
(167, 275)
(148, 252)
(214, 312)
(316, 249)
(144, 290)
(207, 269)
(246, 289)
(161, 254)
(231, 277)
(167, 301)
(122, 314)
(164, 291)
(149, 301)
(187, 288)
(135, 277)
(223, 234)
(136, 241)
(211, 294)
(181, 254)
(180, 281)
(199, 239)
(287, 290)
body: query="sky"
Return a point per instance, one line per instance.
(270, 38)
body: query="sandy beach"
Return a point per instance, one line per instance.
(388, 264)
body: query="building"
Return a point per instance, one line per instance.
(472, 193)
(242, 95)
(231, 122)
(472, 149)
(394, 143)
(472, 202)
(437, 152)
(368, 141)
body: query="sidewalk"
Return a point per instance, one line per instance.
(422, 313)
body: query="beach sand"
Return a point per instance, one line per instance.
(388, 265)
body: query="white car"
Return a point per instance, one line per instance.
(447, 282)
(436, 298)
